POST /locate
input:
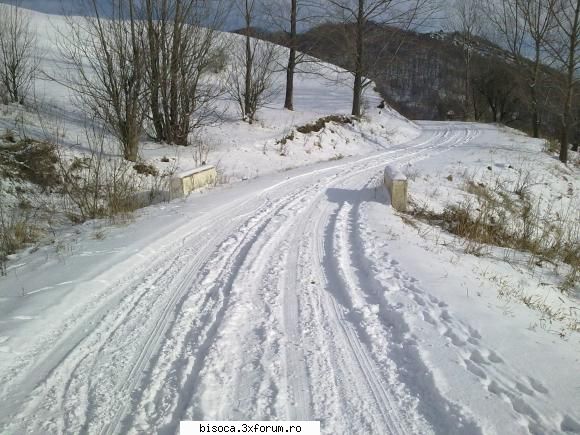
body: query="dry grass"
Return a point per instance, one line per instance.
(552, 146)
(568, 318)
(512, 219)
(41, 185)
(319, 124)
(17, 230)
(145, 169)
(31, 161)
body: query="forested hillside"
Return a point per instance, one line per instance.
(424, 75)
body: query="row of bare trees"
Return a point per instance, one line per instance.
(142, 67)
(542, 38)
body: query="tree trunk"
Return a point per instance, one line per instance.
(534, 92)
(155, 76)
(248, 78)
(131, 148)
(564, 143)
(467, 82)
(249, 62)
(289, 101)
(174, 90)
(570, 82)
(359, 61)
(535, 119)
(566, 118)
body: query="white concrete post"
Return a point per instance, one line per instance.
(396, 182)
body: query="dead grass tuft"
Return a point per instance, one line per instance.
(31, 161)
(146, 169)
(17, 230)
(319, 124)
(489, 217)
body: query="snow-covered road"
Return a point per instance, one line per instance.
(265, 304)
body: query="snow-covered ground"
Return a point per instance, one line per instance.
(298, 295)
(293, 296)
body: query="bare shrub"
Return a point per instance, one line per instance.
(500, 217)
(250, 81)
(182, 48)
(201, 148)
(106, 70)
(32, 161)
(19, 220)
(319, 124)
(97, 185)
(523, 183)
(18, 60)
(552, 146)
(411, 172)
(17, 229)
(145, 169)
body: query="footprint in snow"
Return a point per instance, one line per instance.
(524, 389)
(428, 318)
(475, 369)
(569, 425)
(494, 358)
(4, 349)
(478, 358)
(537, 385)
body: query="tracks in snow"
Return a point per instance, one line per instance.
(263, 312)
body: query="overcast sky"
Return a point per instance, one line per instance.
(234, 20)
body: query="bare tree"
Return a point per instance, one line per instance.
(286, 16)
(360, 17)
(465, 19)
(523, 26)
(106, 69)
(251, 83)
(290, 70)
(539, 16)
(250, 80)
(181, 44)
(17, 52)
(564, 47)
(499, 85)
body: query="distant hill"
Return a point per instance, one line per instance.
(423, 74)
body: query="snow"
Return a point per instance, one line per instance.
(298, 294)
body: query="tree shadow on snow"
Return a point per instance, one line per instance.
(355, 198)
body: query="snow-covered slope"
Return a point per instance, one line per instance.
(241, 150)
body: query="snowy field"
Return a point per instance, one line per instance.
(299, 294)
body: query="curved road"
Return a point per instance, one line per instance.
(259, 310)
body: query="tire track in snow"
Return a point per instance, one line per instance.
(244, 383)
(231, 272)
(244, 386)
(86, 348)
(365, 166)
(154, 350)
(239, 392)
(442, 415)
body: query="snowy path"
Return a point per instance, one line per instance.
(266, 307)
